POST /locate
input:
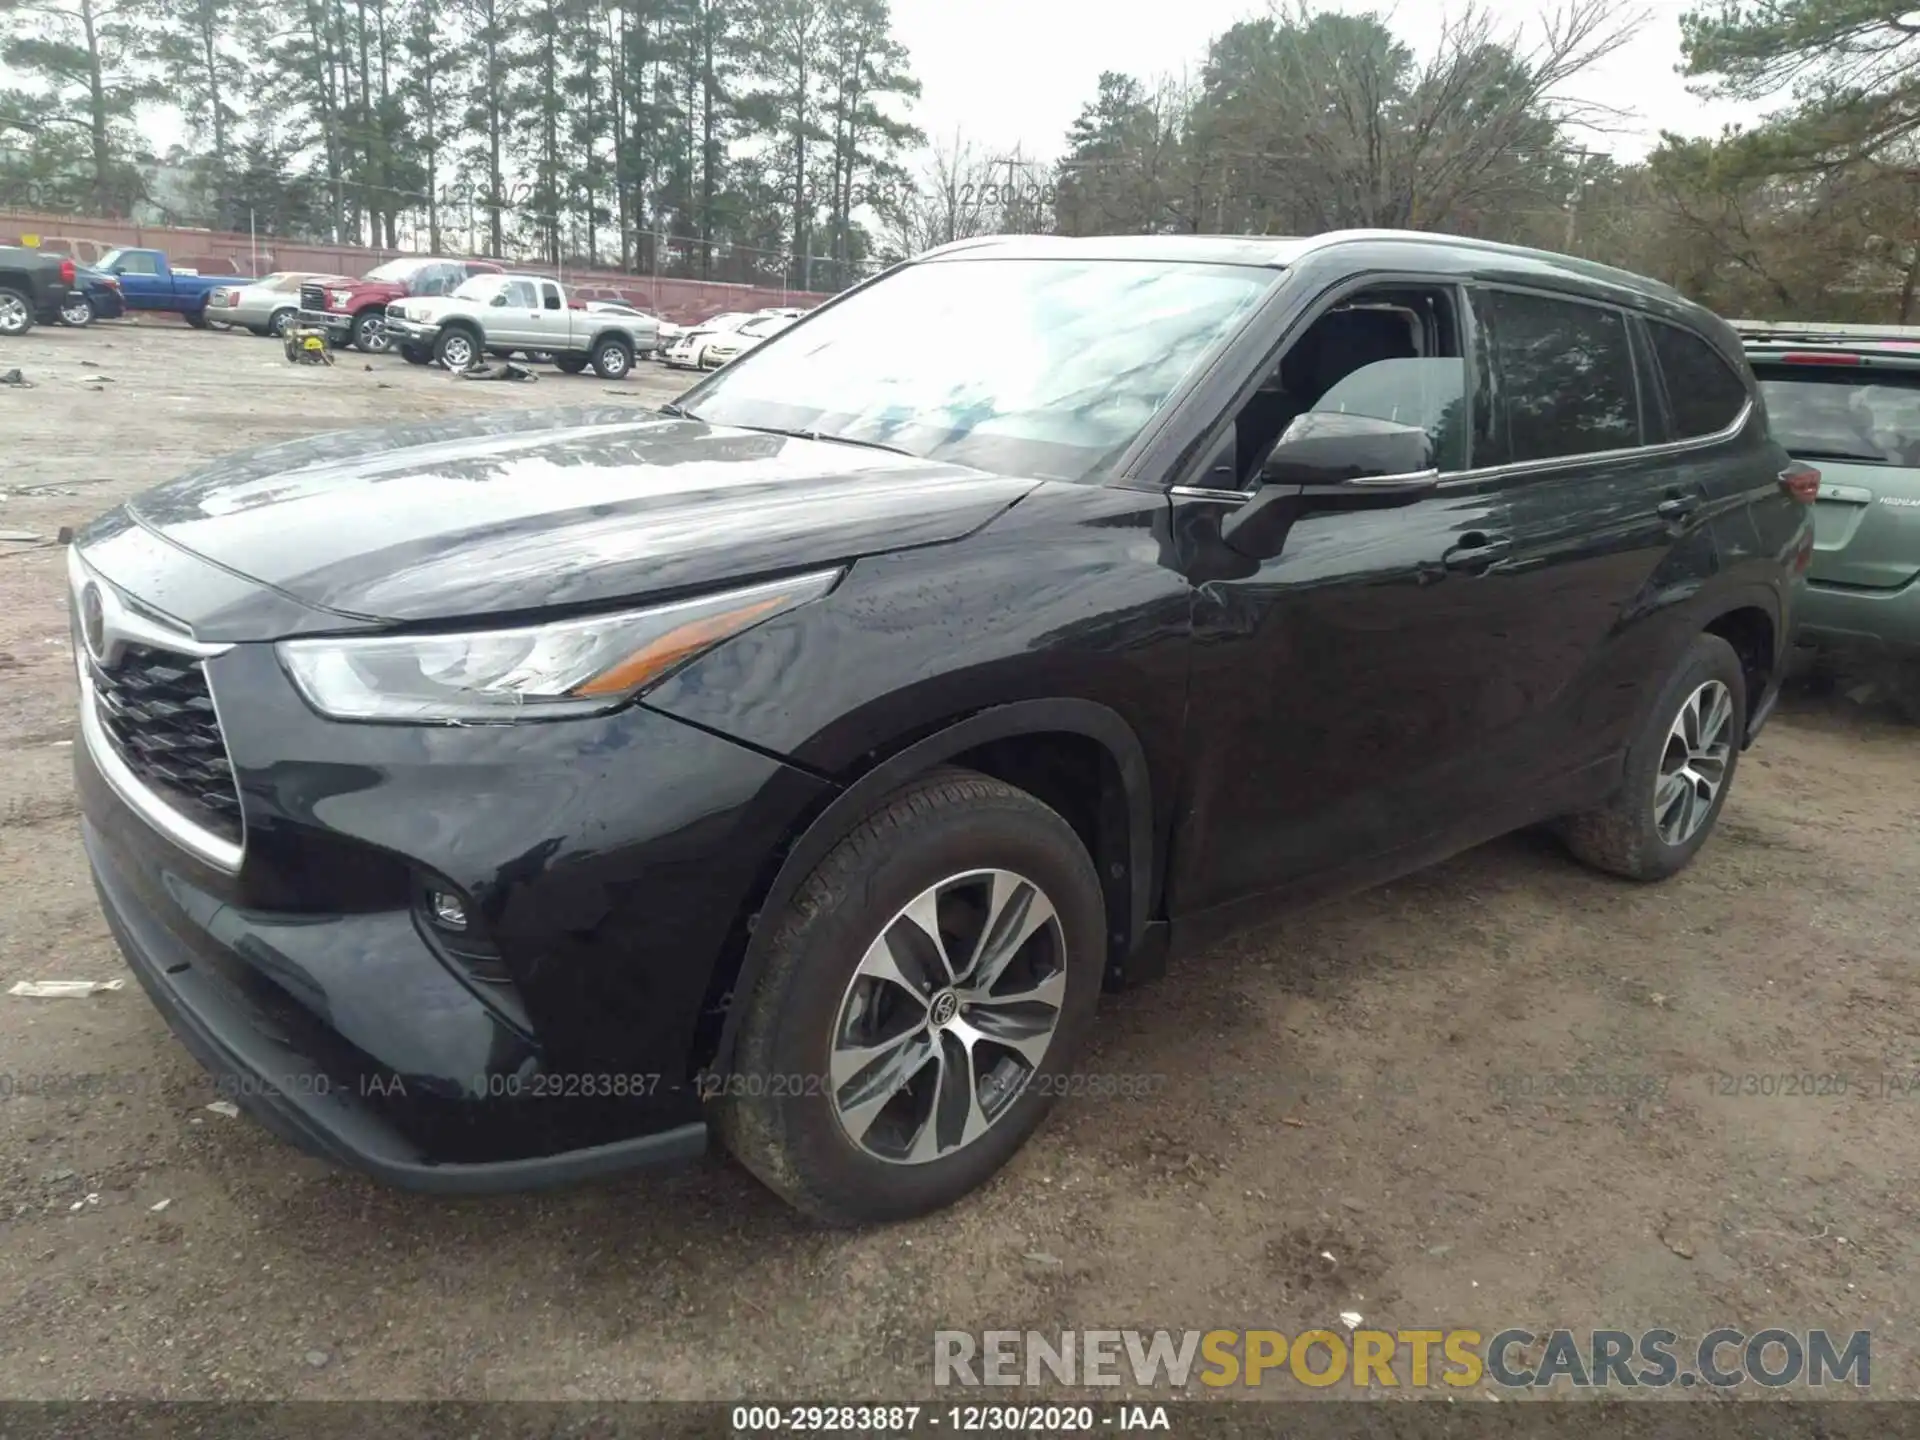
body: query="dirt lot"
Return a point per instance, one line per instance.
(1408, 1082)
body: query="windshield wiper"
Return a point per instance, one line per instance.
(677, 412)
(830, 437)
(1814, 452)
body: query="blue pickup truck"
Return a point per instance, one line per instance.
(148, 282)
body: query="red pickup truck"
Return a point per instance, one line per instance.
(355, 311)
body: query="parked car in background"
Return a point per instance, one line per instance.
(660, 333)
(732, 344)
(148, 282)
(796, 765)
(264, 306)
(507, 314)
(354, 312)
(96, 295)
(689, 351)
(34, 287)
(1845, 399)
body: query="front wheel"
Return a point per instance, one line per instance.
(77, 312)
(456, 350)
(922, 998)
(415, 354)
(611, 359)
(1679, 770)
(370, 332)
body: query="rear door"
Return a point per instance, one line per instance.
(1855, 418)
(1603, 512)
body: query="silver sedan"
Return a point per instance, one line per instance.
(264, 306)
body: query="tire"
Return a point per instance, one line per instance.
(196, 318)
(278, 321)
(16, 311)
(457, 349)
(570, 364)
(938, 831)
(370, 332)
(416, 354)
(1637, 836)
(77, 313)
(612, 359)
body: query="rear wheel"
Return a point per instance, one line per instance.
(457, 350)
(277, 323)
(570, 364)
(370, 332)
(1679, 771)
(77, 312)
(16, 312)
(612, 358)
(196, 318)
(922, 995)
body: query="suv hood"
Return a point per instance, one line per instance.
(503, 513)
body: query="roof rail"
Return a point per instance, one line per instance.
(1791, 330)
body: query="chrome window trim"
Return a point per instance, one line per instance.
(1602, 457)
(127, 625)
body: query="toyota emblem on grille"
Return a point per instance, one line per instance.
(93, 620)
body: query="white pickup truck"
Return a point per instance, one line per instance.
(502, 314)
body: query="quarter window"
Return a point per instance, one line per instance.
(1703, 391)
(1566, 375)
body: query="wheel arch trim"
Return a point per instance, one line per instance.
(1096, 722)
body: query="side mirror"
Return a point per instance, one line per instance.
(500, 300)
(1330, 462)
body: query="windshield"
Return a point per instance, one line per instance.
(398, 271)
(480, 287)
(1048, 368)
(1832, 415)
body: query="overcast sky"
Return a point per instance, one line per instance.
(1016, 72)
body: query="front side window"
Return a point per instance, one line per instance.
(1704, 392)
(130, 262)
(1049, 368)
(1566, 377)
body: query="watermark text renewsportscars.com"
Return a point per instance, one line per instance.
(1773, 1358)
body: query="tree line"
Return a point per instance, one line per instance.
(770, 140)
(723, 139)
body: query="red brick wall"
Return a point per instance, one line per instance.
(214, 253)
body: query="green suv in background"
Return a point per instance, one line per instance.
(1845, 399)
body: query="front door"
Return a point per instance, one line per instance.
(1347, 690)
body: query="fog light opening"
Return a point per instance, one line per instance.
(448, 910)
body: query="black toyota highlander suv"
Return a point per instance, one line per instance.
(520, 798)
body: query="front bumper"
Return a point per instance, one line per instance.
(410, 332)
(338, 328)
(608, 862)
(1830, 614)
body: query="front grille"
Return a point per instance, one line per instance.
(158, 714)
(313, 297)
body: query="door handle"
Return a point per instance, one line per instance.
(1476, 552)
(1677, 506)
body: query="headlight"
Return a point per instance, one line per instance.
(536, 672)
(342, 298)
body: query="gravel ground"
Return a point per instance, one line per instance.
(1422, 1083)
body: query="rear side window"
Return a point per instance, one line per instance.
(1566, 377)
(1704, 392)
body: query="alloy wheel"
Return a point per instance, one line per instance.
(1694, 766)
(948, 1016)
(77, 312)
(13, 314)
(373, 336)
(456, 352)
